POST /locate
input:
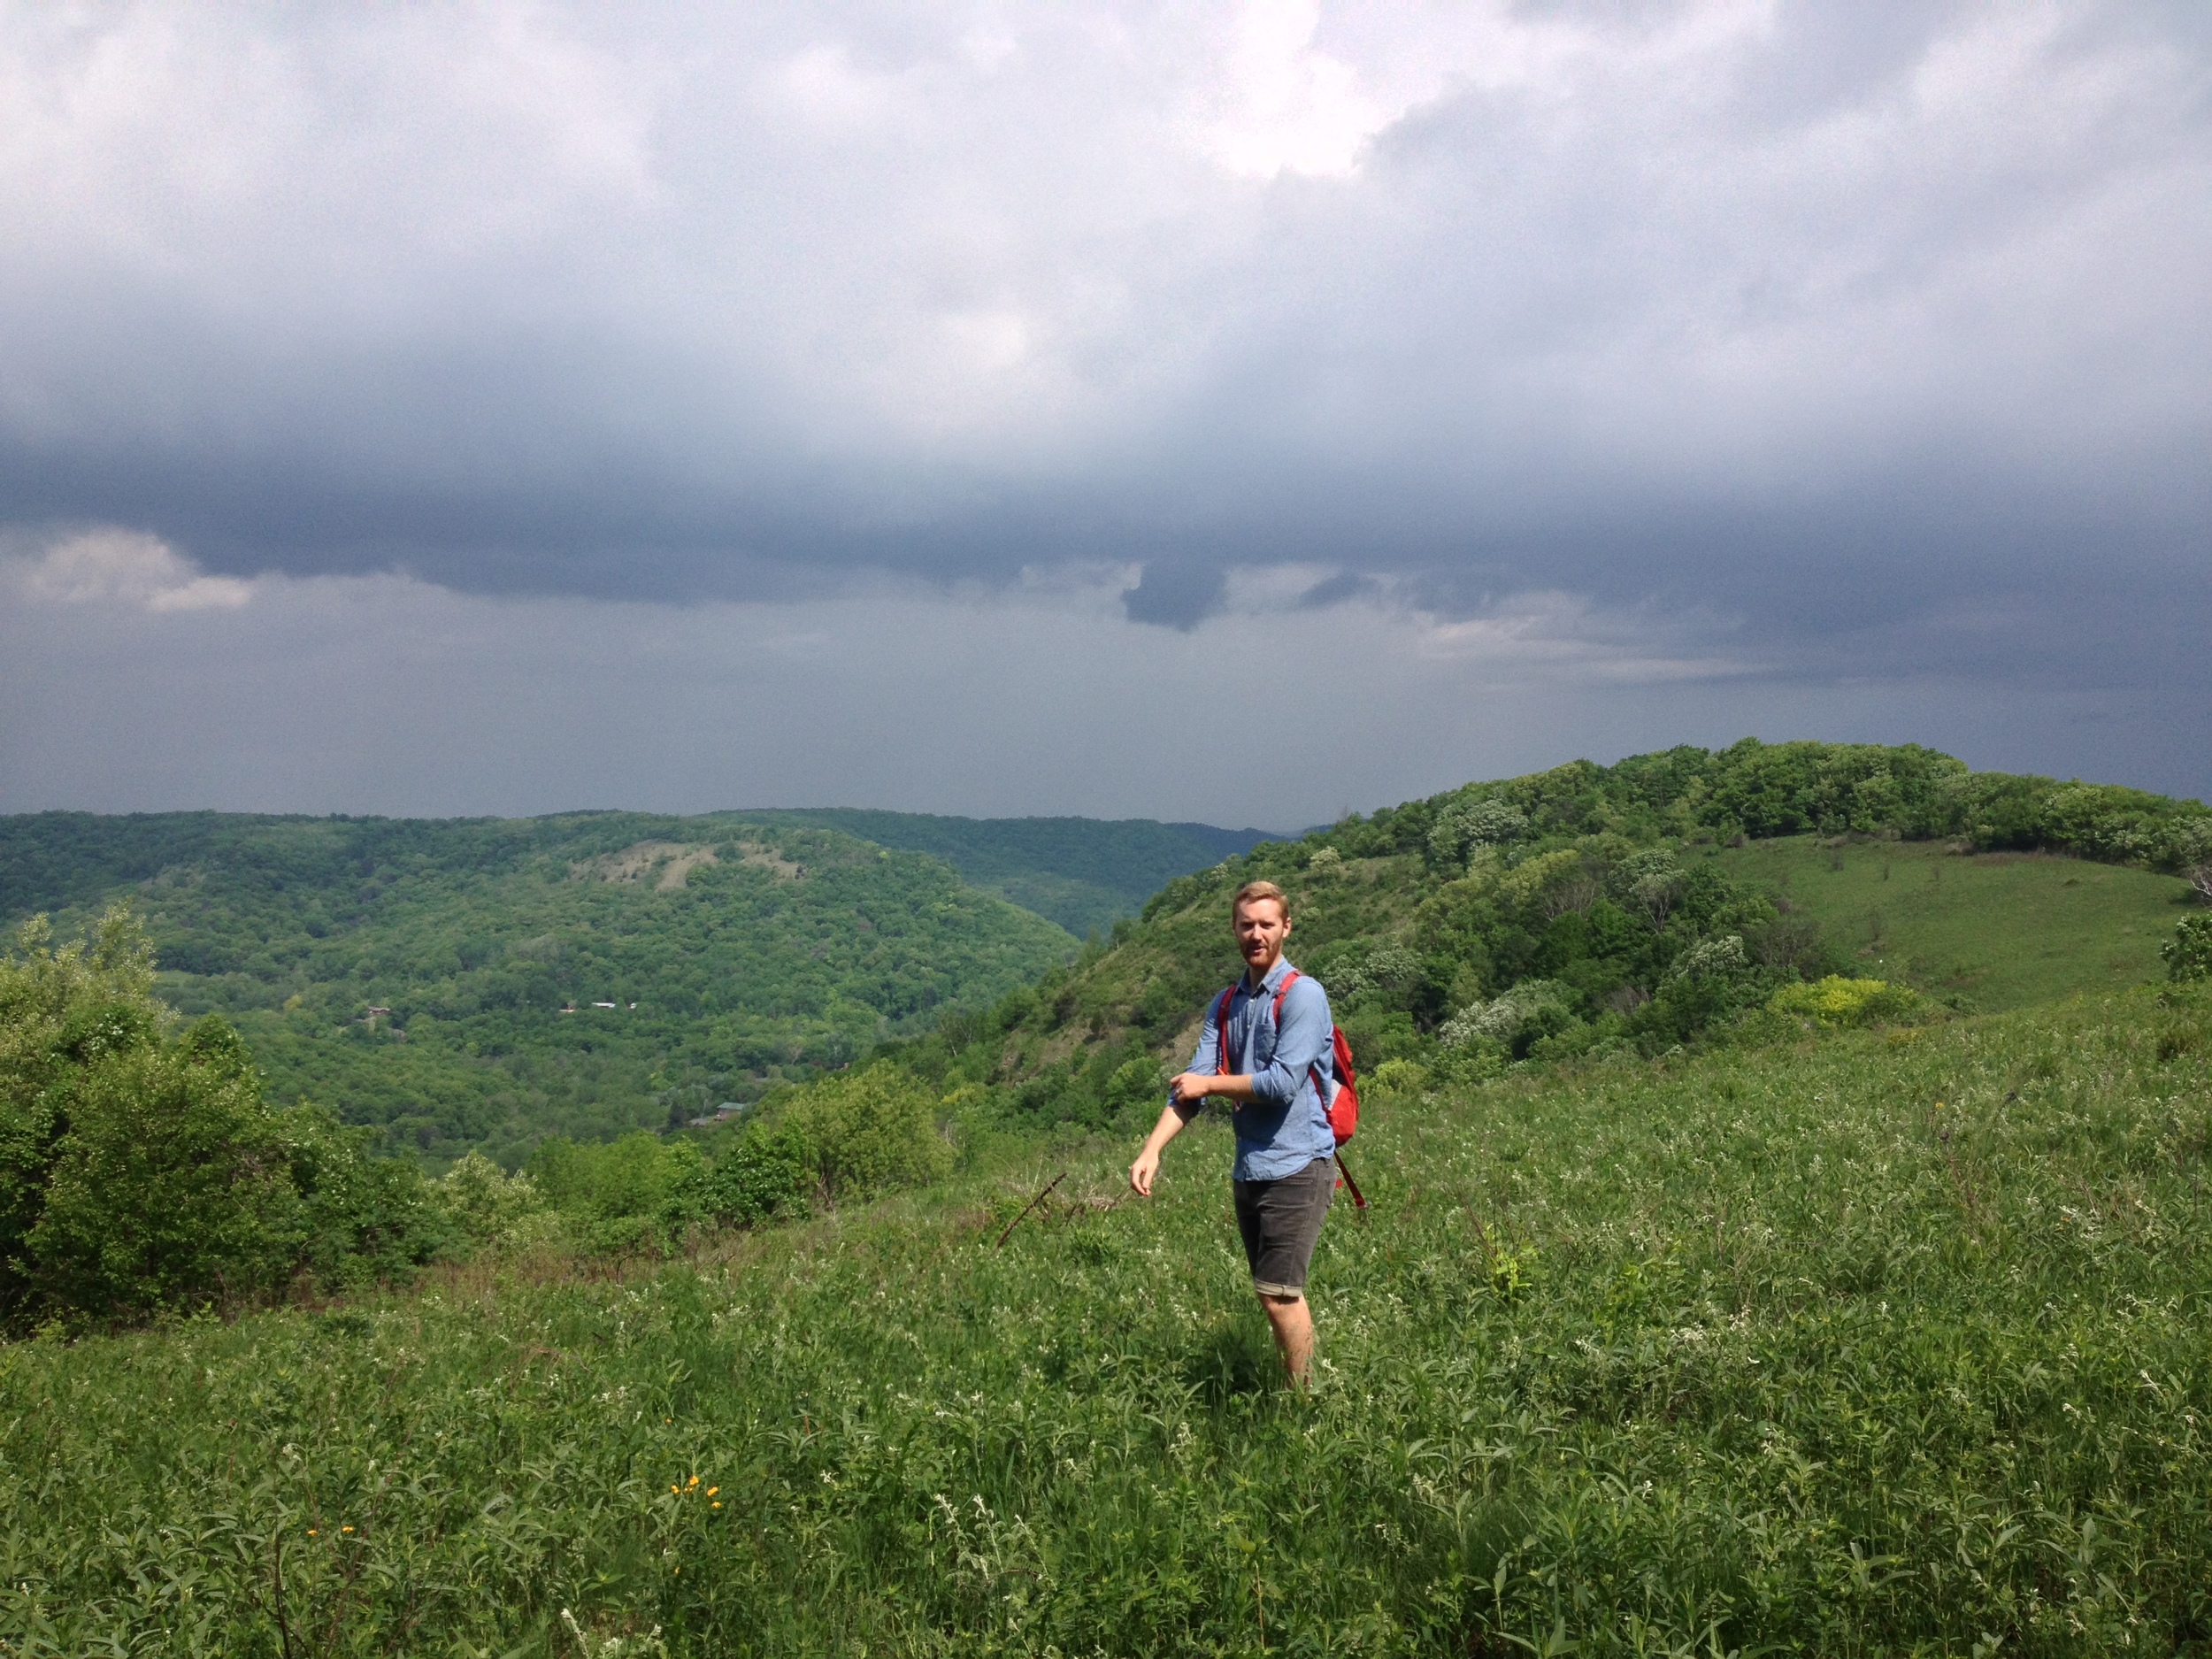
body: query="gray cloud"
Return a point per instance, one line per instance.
(1844, 345)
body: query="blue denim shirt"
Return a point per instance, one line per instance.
(1285, 1126)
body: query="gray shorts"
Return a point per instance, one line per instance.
(1280, 1219)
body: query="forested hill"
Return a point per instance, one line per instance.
(758, 947)
(1596, 908)
(419, 974)
(1083, 873)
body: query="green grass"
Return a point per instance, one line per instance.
(2001, 930)
(1888, 1343)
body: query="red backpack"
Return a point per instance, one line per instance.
(1343, 1107)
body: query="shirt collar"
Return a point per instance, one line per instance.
(1275, 975)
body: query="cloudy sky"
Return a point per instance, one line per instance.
(1193, 411)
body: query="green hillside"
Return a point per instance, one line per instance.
(1083, 873)
(733, 953)
(1592, 909)
(1701, 1309)
(1990, 931)
(1874, 1343)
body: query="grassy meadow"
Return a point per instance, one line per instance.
(1999, 930)
(1874, 1342)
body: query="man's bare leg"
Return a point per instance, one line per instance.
(1293, 1333)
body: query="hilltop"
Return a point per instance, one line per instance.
(1084, 873)
(481, 982)
(1633, 906)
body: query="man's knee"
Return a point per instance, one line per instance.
(1279, 1306)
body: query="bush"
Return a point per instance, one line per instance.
(638, 1193)
(2189, 953)
(1835, 1001)
(761, 1177)
(171, 1185)
(487, 1207)
(1531, 1010)
(869, 1132)
(363, 1219)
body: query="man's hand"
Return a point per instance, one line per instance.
(1193, 1086)
(1148, 1164)
(1143, 1170)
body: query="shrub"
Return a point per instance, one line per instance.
(1532, 1010)
(2189, 953)
(487, 1207)
(638, 1193)
(1400, 1077)
(362, 1219)
(868, 1132)
(1837, 1001)
(1460, 830)
(172, 1184)
(761, 1177)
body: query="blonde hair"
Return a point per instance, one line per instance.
(1252, 890)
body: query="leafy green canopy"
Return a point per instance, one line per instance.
(139, 1172)
(142, 1172)
(735, 954)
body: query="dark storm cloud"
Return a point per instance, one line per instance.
(1848, 339)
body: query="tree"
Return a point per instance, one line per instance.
(172, 1184)
(2189, 953)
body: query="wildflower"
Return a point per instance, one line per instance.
(695, 1480)
(345, 1529)
(718, 1506)
(311, 1532)
(712, 1490)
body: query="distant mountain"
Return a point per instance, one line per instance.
(1084, 873)
(479, 982)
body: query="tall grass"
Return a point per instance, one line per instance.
(1882, 1343)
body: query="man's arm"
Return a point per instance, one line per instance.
(1185, 1096)
(1147, 1164)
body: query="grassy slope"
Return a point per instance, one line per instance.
(2002, 929)
(1859, 1345)
(1083, 873)
(2005, 929)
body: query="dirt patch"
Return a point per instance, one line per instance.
(667, 865)
(768, 858)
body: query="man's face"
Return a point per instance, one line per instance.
(1261, 929)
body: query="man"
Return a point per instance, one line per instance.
(1279, 1077)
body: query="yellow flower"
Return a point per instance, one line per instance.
(345, 1529)
(712, 1490)
(695, 1480)
(311, 1532)
(718, 1506)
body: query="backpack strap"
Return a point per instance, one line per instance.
(1221, 1039)
(1221, 1019)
